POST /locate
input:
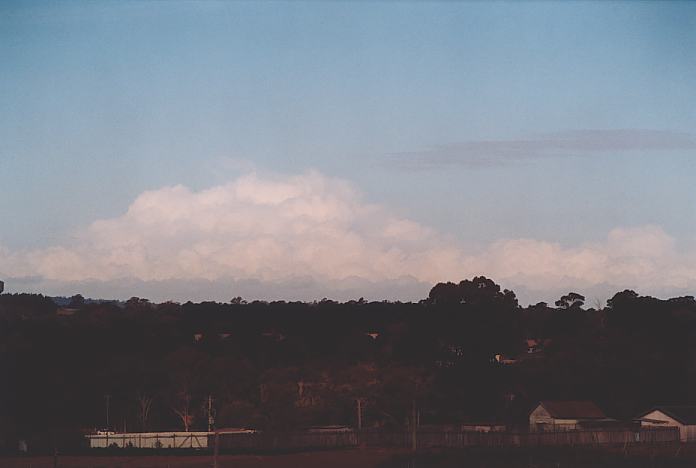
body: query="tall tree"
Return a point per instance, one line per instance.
(572, 300)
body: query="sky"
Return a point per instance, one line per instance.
(292, 150)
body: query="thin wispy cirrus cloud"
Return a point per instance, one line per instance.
(308, 236)
(576, 143)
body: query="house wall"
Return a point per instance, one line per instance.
(686, 433)
(540, 420)
(539, 417)
(690, 433)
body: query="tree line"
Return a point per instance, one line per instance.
(468, 351)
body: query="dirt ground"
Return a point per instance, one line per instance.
(332, 459)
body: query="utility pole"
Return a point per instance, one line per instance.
(216, 449)
(55, 450)
(414, 444)
(211, 420)
(108, 400)
(359, 414)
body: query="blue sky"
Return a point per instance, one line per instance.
(557, 122)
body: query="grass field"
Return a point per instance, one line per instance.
(326, 459)
(666, 456)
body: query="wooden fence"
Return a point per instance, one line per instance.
(285, 441)
(595, 437)
(290, 441)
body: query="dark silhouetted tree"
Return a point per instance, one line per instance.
(571, 300)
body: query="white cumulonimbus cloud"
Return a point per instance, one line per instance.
(276, 230)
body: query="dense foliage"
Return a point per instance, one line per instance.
(284, 365)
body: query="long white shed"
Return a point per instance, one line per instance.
(195, 440)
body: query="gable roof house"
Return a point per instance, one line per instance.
(683, 417)
(566, 415)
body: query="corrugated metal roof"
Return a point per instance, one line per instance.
(573, 409)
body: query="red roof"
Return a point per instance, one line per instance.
(573, 409)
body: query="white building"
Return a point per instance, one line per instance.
(566, 415)
(152, 440)
(683, 417)
(198, 440)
